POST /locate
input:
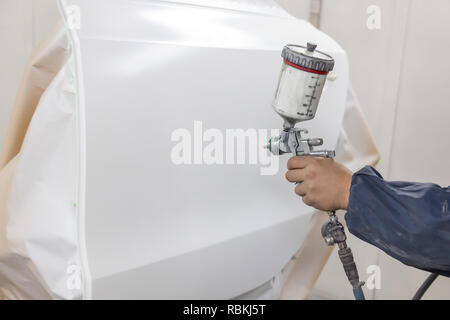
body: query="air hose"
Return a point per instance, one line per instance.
(425, 285)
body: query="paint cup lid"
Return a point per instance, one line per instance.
(308, 58)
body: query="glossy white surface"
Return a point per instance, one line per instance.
(157, 230)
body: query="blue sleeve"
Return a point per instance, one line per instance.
(407, 220)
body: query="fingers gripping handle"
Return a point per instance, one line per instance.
(319, 153)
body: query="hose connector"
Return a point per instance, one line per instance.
(333, 232)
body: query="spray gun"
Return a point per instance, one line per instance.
(302, 79)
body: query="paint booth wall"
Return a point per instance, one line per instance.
(399, 73)
(23, 23)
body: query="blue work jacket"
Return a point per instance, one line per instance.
(409, 221)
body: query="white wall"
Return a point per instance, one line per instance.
(399, 72)
(420, 149)
(23, 23)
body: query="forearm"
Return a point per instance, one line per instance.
(409, 221)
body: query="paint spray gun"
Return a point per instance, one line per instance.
(302, 79)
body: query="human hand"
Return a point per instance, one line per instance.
(324, 183)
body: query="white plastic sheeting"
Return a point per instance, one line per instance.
(91, 204)
(38, 180)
